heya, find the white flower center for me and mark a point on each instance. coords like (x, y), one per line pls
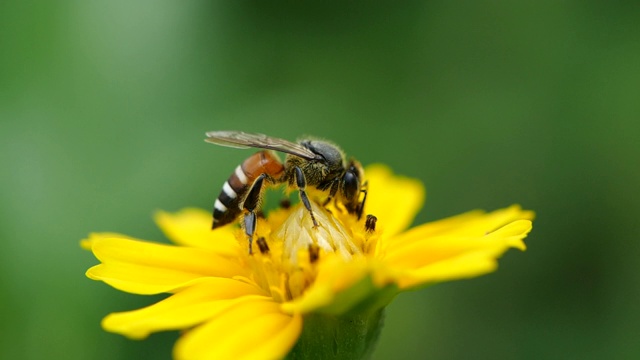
(298, 234)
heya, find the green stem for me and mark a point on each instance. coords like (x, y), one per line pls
(338, 337)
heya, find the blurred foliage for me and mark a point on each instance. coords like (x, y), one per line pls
(103, 107)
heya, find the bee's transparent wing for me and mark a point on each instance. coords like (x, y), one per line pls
(243, 140)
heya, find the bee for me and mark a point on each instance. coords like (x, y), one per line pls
(308, 163)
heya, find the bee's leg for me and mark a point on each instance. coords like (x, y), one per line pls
(360, 207)
(332, 193)
(326, 202)
(250, 204)
(301, 182)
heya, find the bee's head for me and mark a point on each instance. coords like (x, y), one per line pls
(329, 154)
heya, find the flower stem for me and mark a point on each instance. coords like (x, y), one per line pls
(351, 336)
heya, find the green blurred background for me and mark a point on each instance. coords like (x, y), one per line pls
(103, 108)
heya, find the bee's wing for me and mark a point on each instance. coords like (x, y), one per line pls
(242, 140)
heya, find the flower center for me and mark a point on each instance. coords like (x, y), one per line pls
(291, 247)
(298, 235)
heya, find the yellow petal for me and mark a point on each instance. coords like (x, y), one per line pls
(147, 268)
(460, 267)
(334, 275)
(446, 258)
(87, 243)
(429, 250)
(192, 227)
(473, 223)
(184, 309)
(342, 285)
(254, 329)
(141, 280)
(394, 200)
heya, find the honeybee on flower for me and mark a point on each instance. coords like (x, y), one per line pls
(322, 269)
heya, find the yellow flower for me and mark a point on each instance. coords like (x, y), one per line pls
(241, 306)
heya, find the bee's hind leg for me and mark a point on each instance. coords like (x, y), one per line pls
(250, 204)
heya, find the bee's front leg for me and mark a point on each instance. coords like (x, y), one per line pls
(301, 183)
(360, 207)
(332, 193)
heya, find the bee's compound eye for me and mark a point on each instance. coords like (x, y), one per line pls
(350, 186)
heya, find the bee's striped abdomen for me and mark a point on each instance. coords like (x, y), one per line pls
(227, 206)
